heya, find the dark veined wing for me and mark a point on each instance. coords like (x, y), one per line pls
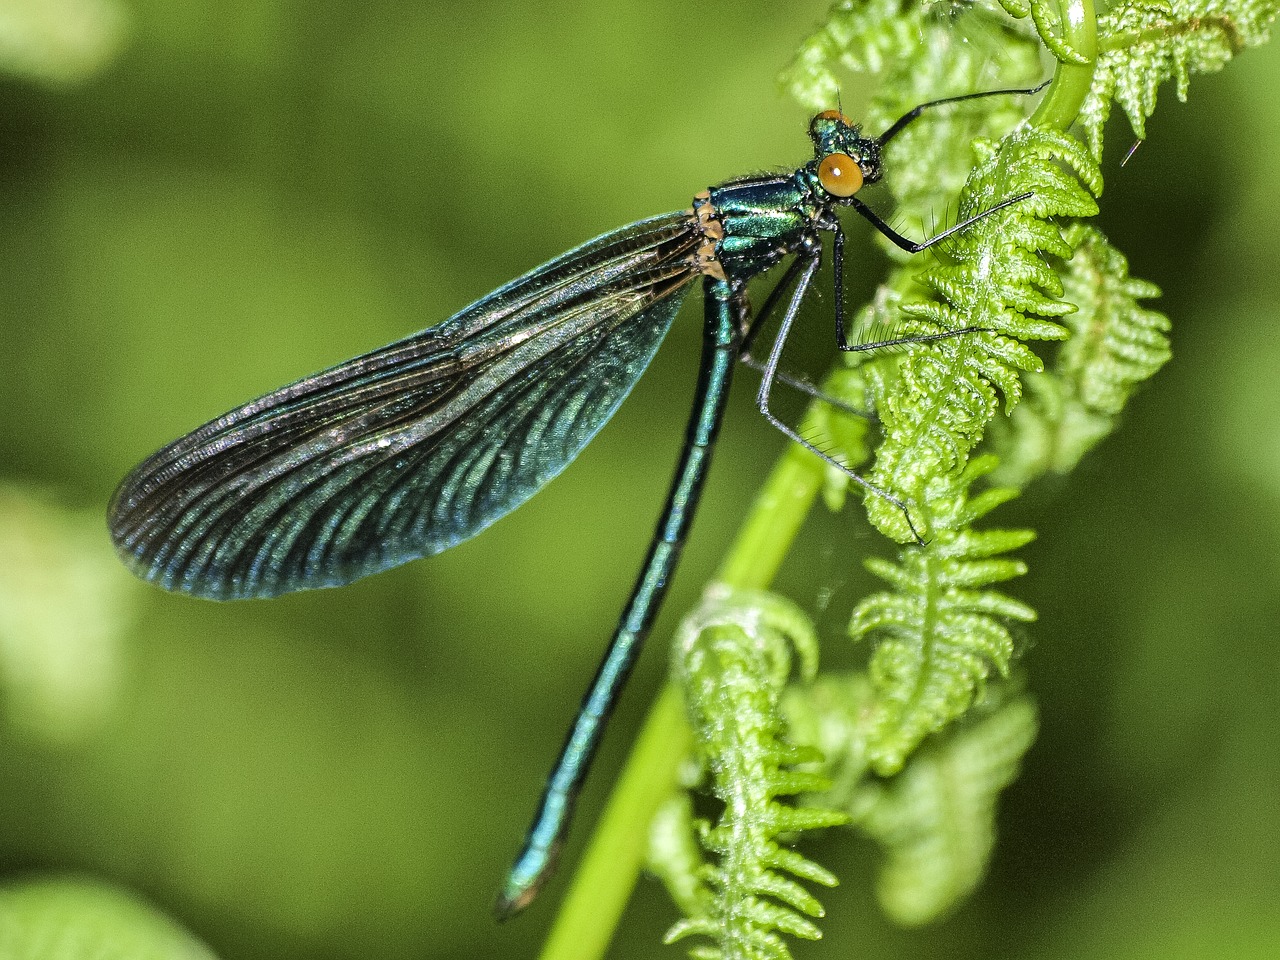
(410, 449)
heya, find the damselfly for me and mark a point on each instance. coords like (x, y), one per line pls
(417, 446)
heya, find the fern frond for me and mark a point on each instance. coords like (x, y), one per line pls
(733, 660)
(1047, 17)
(937, 406)
(674, 856)
(861, 37)
(936, 819)
(1148, 42)
(940, 632)
(1115, 345)
(917, 749)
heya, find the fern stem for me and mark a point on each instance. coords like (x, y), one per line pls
(769, 529)
(611, 865)
(1061, 105)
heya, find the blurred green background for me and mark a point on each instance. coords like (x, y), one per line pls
(251, 190)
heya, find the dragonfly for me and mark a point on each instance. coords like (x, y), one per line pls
(417, 446)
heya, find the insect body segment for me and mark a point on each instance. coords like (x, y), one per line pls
(765, 219)
(707, 219)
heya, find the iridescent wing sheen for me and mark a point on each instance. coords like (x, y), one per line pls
(410, 449)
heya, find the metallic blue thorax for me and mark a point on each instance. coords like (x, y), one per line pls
(764, 220)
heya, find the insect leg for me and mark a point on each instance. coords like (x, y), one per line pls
(757, 323)
(915, 112)
(766, 387)
(913, 246)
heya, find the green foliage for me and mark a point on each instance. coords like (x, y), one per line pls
(1115, 345)
(918, 748)
(1047, 15)
(1148, 42)
(829, 715)
(936, 820)
(173, 222)
(936, 404)
(675, 856)
(72, 919)
(65, 606)
(864, 38)
(733, 660)
(59, 41)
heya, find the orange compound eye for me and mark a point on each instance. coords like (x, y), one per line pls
(834, 115)
(840, 175)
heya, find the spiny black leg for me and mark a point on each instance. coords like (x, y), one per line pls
(808, 389)
(766, 387)
(838, 282)
(915, 112)
(842, 340)
(775, 353)
(912, 246)
(757, 324)
(912, 338)
(770, 304)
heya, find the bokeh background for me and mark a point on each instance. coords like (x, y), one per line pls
(244, 192)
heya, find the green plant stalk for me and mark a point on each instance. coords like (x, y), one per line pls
(1061, 105)
(611, 865)
(775, 518)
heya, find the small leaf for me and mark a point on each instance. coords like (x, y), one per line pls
(63, 918)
